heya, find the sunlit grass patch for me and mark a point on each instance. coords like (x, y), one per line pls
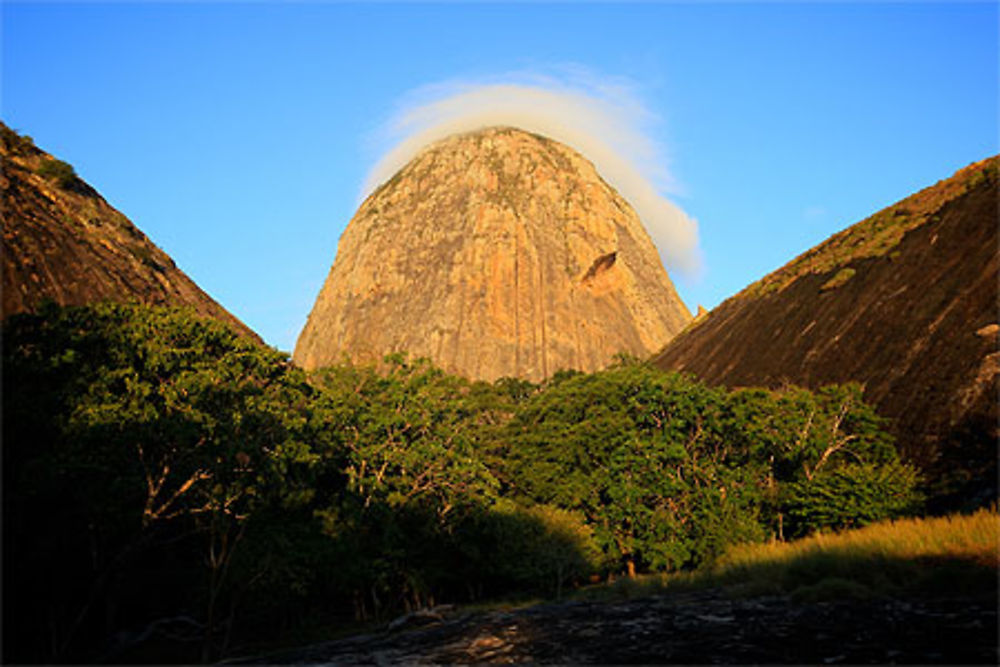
(957, 553)
(973, 537)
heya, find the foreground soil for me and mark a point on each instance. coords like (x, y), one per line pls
(692, 627)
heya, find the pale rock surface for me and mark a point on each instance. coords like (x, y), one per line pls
(494, 253)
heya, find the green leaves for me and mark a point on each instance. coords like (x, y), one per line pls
(403, 435)
(139, 427)
(669, 472)
(852, 496)
(197, 470)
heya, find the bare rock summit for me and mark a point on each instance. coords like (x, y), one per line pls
(494, 253)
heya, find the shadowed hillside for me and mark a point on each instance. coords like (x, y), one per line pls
(63, 242)
(904, 301)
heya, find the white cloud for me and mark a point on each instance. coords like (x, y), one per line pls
(600, 117)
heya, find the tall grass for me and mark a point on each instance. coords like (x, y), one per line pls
(971, 537)
(952, 555)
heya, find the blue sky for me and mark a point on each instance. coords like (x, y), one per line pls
(237, 136)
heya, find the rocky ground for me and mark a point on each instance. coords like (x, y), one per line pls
(706, 627)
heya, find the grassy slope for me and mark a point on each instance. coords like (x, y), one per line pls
(952, 555)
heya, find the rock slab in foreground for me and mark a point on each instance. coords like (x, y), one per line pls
(691, 628)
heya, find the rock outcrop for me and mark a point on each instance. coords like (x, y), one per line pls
(494, 253)
(64, 243)
(711, 627)
(904, 302)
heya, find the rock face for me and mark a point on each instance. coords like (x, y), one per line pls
(495, 253)
(905, 302)
(63, 242)
(713, 627)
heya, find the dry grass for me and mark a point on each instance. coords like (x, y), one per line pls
(972, 537)
(953, 555)
(946, 555)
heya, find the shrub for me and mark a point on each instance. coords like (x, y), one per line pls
(59, 172)
(852, 496)
(540, 548)
(17, 144)
(839, 279)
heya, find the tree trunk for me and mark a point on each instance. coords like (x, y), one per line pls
(630, 565)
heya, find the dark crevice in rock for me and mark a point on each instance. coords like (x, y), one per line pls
(600, 265)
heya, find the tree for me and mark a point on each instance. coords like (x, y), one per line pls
(668, 472)
(616, 446)
(407, 474)
(161, 471)
(851, 496)
(160, 431)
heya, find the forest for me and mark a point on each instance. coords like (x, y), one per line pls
(174, 492)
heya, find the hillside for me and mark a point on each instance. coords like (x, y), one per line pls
(63, 242)
(494, 253)
(904, 301)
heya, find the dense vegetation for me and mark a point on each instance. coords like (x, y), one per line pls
(174, 492)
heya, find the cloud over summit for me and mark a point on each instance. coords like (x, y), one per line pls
(600, 118)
